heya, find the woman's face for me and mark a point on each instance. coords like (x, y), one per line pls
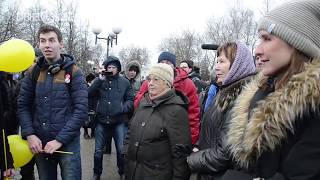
(156, 85)
(274, 54)
(222, 67)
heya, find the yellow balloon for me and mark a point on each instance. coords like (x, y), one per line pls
(16, 55)
(20, 151)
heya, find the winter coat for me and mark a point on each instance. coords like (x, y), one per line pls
(115, 97)
(212, 159)
(154, 131)
(185, 85)
(274, 134)
(196, 78)
(135, 82)
(3, 126)
(52, 108)
(11, 88)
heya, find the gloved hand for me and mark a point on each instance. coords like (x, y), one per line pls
(102, 77)
(181, 151)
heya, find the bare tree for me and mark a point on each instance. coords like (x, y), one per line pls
(9, 20)
(135, 53)
(186, 46)
(238, 24)
(34, 17)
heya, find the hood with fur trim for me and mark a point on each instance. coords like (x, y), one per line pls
(273, 117)
(133, 63)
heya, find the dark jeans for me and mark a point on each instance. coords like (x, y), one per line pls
(27, 171)
(100, 142)
(70, 164)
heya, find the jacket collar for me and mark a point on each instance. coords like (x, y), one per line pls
(273, 117)
(228, 93)
(171, 97)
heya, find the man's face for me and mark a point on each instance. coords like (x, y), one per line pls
(167, 62)
(132, 74)
(50, 46)
(185, 67)
(112, 68)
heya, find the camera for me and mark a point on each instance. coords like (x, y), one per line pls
(106, 73)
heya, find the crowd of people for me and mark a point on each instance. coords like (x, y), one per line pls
(258, 119)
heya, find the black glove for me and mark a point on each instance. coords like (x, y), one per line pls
(181, 151)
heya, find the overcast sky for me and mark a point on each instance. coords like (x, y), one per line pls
(146, 22)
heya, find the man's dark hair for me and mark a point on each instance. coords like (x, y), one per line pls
(196, 69)
(134, 68)
(48, 28)
(189, 62)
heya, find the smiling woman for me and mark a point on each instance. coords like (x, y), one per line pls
(273, 130)
(234, 69)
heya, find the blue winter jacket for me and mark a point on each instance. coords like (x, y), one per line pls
(115, 97)
(52, 109)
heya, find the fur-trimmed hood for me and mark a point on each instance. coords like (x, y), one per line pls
(133, 63)
(273, 117)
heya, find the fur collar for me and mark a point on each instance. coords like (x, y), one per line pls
(228, 94)
(273, 117)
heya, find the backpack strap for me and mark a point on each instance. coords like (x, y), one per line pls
(35, 72)
(69, 71)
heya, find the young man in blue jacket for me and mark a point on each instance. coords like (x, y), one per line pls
(52, 106)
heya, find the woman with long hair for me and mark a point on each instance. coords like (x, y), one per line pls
(275, 124)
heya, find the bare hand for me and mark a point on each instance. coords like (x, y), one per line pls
(52, 146)
(35, 144)
(8, 173)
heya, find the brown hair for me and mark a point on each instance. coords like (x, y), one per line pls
(230, 51)
(48, 28)
(297, 65)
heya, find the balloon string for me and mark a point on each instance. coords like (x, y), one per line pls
(62, 152)
(5, 149)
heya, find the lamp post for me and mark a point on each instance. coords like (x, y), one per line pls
(111, 37)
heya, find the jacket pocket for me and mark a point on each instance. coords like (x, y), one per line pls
(156, 171)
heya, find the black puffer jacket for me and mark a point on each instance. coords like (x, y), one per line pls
(212, 159)
(196, 78)
(156, 128)
(3, 96)
(11, 88)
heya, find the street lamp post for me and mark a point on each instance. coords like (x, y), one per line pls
(111, 37)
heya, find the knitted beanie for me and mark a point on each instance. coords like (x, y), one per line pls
(242, 66)
(163, 71)
(298, 23)
(167, 56)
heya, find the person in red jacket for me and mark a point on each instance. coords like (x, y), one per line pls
(183, 84)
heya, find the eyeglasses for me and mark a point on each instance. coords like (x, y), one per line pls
(154, 79)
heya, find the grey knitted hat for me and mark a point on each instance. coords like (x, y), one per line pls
(298, 23)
